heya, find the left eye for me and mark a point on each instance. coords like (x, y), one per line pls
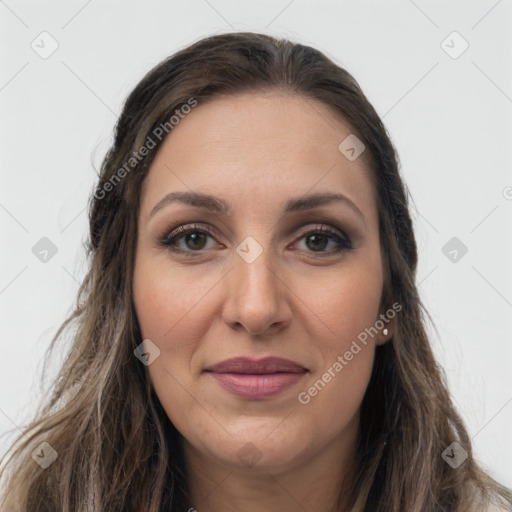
(318, 241)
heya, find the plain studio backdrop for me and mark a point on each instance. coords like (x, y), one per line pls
(439, 75)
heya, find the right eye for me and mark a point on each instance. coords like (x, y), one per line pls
(188, 239)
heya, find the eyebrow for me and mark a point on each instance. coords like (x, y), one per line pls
(217, 205)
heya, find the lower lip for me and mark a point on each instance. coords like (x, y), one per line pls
(257, 386)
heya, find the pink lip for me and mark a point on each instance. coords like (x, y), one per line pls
(249, 378)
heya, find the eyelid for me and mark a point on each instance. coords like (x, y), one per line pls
(322, 227)
(185, 228)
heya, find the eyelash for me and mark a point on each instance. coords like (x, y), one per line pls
(169, 240)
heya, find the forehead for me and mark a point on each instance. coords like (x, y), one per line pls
(256, 149)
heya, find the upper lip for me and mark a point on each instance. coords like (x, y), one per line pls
(257, 366)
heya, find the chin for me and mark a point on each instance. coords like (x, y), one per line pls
(270, 451)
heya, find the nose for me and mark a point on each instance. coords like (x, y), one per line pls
(257, 297)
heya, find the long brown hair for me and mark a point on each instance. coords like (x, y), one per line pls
(116, 447)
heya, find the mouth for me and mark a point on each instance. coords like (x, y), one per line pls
(257, 379)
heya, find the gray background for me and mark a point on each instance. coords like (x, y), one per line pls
(450, 119)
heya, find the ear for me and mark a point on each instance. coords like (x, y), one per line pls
(381, 338)
(389, 324)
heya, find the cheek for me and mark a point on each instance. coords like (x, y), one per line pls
(174, 310)
(336, 387)
(346, 306)
(344, 302)
(171, 313)
(164, 301)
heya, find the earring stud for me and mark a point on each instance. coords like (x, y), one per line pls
(385, 332)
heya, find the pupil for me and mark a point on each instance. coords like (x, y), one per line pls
(196, 239)
(319, 241)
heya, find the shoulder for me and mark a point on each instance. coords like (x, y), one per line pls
(490, 501)
(491, 507)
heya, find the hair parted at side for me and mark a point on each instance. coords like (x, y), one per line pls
(117, 449)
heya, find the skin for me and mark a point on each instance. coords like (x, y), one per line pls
(255, 151)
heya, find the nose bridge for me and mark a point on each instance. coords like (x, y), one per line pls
(256, 299)
(254, 273)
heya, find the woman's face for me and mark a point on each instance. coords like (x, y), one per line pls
(283, 273)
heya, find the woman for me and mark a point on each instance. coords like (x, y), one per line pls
(249, 335)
